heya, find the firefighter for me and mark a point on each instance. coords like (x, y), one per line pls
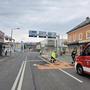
(73, 54)
(53, 56)
(40, 52)
(6, 53)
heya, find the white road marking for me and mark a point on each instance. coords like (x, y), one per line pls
(33, 60)
(45, 60)
(34, 64)
(71, 76)
(22, 76)
(17, 78)
(3, 59)
(64, 71)
(20, 73)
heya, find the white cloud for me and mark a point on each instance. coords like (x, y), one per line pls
(49, 15)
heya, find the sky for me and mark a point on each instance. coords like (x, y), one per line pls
(58, 16)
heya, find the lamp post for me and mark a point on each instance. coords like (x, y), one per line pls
(12, 39)
(57, 44)
(12, 33)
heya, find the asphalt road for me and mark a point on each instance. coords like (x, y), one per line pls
(20, 72)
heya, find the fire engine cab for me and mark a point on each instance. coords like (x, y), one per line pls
(82, 62)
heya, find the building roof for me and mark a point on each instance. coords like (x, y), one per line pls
(84, 23)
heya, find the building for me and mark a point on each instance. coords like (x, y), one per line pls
(57, 44)
(9, 43)
(1, 37)
(79, 35)
(18, 47)
(1, 42)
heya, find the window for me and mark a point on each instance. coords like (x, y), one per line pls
(88, 34)
(69, 38)
(80, 36)
(87, 51)
(74, 38)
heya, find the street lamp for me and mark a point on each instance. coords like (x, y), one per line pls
(57, 43)
(12, 33)
(12, 38)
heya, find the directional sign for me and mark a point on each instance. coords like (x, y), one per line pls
(51, 35)
(42, 34)
(32, 33)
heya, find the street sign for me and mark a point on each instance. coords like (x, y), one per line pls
(51, 35)
(32, 33)
(42, 34)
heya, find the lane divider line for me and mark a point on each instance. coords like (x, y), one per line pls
(22, 77)
(33, 77)
(71, 76)
(63, 71)
(17, 78)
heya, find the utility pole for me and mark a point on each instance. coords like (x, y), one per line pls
(12, 40)
(57, 43)
(61, 43)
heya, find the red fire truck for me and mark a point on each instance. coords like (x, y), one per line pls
(82, 63)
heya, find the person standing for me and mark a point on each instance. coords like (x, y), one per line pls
(73, 54)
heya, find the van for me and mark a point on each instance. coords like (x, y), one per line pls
(82, 62)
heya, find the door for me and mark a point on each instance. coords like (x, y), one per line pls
(87, 57)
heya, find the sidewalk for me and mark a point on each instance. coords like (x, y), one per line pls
(62, 62)
(66, 58)
(2, 57)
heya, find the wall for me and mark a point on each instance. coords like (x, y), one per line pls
(75, 35)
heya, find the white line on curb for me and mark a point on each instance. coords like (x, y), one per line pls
(64, 71)
(45, 60)
(17, 78)
(33, 60)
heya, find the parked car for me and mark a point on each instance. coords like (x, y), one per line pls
(82, 62)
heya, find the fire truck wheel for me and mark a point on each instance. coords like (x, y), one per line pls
(79, 70)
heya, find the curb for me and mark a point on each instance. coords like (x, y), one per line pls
(58, 61)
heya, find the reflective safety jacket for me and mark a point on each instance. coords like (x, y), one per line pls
(53, 54)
